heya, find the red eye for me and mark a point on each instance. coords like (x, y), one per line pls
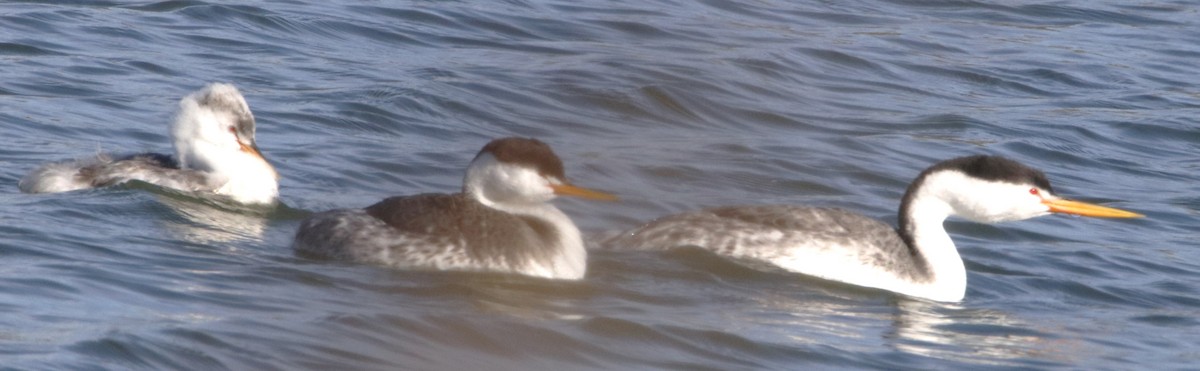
(232, 130)
(1033, 191)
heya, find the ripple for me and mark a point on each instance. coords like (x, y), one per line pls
(675, 106)
(23, 49)
(167, 6)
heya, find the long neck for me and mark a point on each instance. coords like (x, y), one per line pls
(923, 211)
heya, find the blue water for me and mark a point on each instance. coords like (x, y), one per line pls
(672, 105)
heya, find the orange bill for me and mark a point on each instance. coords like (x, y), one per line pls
(1086, 209)
(253, 150)
(570, 190)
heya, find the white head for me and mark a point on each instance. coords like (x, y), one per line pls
(519, 172)
(990, 189)
(214, 132)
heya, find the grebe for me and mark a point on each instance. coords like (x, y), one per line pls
(215, 152)
(501, 222)
(917, 259)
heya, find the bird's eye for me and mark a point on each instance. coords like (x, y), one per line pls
(232, 130)
(1033, 191)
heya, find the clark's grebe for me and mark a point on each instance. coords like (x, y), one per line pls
(215, 152)
(916, 259)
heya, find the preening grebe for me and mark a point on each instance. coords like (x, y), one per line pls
(215, 152)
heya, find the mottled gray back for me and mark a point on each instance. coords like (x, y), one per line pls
(771, 232)
(154, 168)
(487, 235)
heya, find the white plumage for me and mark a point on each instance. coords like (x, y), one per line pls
(215, 151)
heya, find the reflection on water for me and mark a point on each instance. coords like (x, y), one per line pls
(510, 296)
(674, 105)
(204, 223)
(839, 317)
(936, 330)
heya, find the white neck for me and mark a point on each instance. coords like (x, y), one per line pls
(570, 262)
(947, 274)
(517, 190)
(927, 212)
(249, 179)
(203, 141)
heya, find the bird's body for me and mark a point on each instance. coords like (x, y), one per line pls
(916, 259)
(448, 232)
(103, 170)
(501, 222)
(828, 243)
(215, 151)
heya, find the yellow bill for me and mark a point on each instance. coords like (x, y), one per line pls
(1086, 209)
(570, 190)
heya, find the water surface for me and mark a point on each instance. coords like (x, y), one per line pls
(672, 105)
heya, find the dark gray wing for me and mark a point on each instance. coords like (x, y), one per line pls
(436, 231)
(489, 237)
(354, 235)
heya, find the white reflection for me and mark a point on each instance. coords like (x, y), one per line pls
(207, 222)
(861, 320)
(949, 331)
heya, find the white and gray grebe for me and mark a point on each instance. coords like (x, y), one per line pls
(215, 152)
(917, 259)
(502, 221)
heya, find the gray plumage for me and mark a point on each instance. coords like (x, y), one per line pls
(775, 233)
(502, 221)
(430, 231)
(103, 171)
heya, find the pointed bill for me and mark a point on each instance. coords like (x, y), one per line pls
(252, 149)
(1086, 209)
(570, 190)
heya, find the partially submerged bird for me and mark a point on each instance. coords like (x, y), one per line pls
(917, 259)
(215, 152)
(501, 222)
